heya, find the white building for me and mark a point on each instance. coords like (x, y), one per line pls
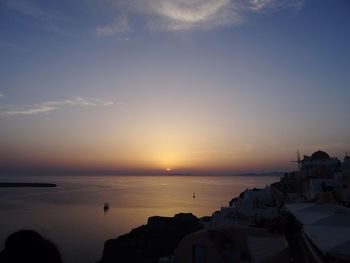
(325, 229)
(319, 159)
(257, 204)
(232, 243)
(346, 166)
(319, 185)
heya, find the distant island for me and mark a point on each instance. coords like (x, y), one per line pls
(27, 185)
(179, 174)
(261, 174)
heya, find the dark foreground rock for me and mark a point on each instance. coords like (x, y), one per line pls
(145, 244)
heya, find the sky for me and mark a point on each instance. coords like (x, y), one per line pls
(198, 86)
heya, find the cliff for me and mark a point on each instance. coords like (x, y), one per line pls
(147, 243)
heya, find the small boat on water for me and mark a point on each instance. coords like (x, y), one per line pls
(106, 206)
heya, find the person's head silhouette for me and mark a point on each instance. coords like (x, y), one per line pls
(28, 246)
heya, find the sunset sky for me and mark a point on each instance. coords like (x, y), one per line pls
(202, 86)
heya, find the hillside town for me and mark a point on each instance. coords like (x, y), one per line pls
(305, 217)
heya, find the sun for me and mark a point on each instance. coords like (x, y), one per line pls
(168, 169)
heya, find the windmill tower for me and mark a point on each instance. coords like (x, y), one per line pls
(298, 160)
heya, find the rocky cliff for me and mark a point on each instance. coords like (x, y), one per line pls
(145, 244)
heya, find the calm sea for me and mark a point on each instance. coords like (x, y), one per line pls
(72, 215)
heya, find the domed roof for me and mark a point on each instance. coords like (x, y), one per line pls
(320, 155)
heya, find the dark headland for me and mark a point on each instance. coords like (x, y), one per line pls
(27, 185)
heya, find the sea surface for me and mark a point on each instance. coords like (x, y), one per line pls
(72, 216)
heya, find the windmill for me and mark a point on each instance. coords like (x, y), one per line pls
(298, 160)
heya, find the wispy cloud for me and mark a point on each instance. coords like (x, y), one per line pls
(48, 19)
(262, 5)
(180, 15)
(119, 25)
(49, 106)
(25, 7)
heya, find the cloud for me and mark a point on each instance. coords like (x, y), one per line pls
(50, 106)
(119, 25)
(263, 5)
(47, 19)
(2, 95)
(180, 15)
(27, 8)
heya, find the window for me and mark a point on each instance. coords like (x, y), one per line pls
(198, 254)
